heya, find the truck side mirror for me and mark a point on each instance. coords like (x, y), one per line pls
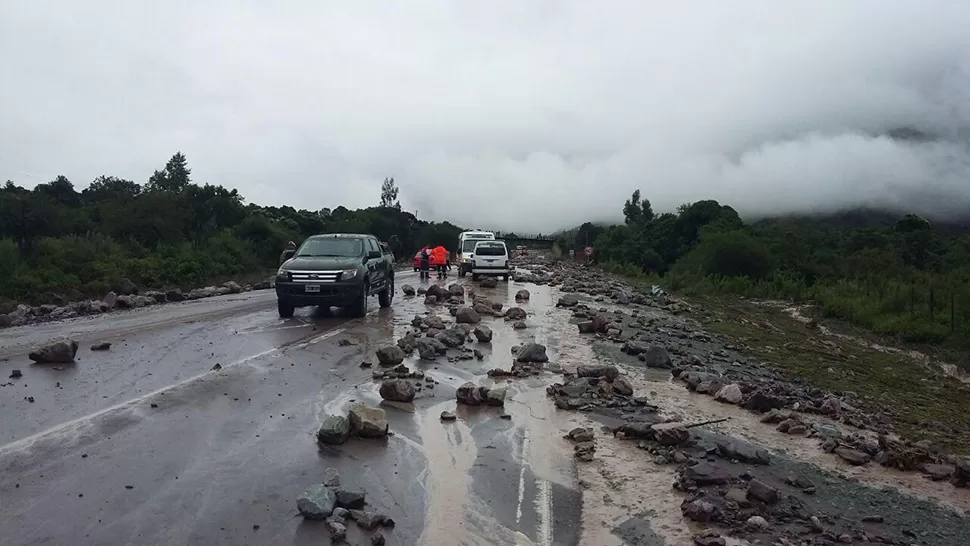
(374, 254)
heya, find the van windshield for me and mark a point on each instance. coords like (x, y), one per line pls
(469, 244)
(494, 249)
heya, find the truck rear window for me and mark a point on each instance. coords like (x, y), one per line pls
(490, 250)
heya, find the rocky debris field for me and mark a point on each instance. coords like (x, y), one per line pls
(128, 296)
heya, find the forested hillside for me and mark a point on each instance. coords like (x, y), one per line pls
(903, 276)
(58, 243)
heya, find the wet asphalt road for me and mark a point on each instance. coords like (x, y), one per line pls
(145, 444)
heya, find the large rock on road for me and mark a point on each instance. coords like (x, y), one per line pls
(59, 351)
(397, 390)
(317, 502)
(368, 422)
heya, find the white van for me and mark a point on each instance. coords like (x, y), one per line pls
(466, 247)
(491, 259)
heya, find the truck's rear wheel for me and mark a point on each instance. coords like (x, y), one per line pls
(285, 308)
(387, 295)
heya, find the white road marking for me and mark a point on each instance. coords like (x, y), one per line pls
(522, 463)
(544, 512)
(23, 442)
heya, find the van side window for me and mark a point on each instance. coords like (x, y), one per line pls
(371, 244)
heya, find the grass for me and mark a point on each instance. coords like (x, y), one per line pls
(925, 404)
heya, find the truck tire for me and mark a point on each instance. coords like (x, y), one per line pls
(359, 308)
(285, 308)
(387, 295)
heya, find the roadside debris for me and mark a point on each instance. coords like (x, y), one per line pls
(102, 346)
(60, 351)
(338, 505)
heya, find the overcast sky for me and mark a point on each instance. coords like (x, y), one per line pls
(514, 114)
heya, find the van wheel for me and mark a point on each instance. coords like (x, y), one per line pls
(359, 308)
(285, 308)
(387, 295)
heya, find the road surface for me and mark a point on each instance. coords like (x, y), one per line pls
(147, 444)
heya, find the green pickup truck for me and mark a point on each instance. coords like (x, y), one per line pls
(336, 270)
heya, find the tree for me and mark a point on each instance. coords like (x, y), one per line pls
(175, 176)
(637, 212)
(389, 194)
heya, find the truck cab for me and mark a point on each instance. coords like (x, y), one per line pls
(336, 270)
(466, 248)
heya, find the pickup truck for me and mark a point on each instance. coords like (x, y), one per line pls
(336, 270)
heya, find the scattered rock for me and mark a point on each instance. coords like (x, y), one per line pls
(522, 295)
(515, 313)
(103, 346)
(331, 478)
(568, 300)
(532, 352)
(607, 371)
(390, 355)
(852, 456)
(483, 333)
(762, 492)
(407, 290)
(350, 499)
(467, 315)
(334, 430)
(448, 416)
(16, 374)
(397, 390)
(317, 502)
(367, 422)
(657, 357)
(61, 351)
(488, 282)
(469, 394)
(495, 396)
(730, 394)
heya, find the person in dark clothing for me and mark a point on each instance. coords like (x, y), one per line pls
(425, 263)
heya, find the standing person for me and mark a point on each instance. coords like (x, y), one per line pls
(425, 262)
(448, 260)
(440, 259)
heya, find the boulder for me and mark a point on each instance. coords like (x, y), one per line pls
(127, 288)
(451, 338)
(430, 348)
(483, 333)
(657, 357)
(174, 294)
(102, 346)
(397, 390)
(522, 295)
(233, 287)
(607, 371)
(368, 422)
(757, 489)
(730, 394)
(568, 300)
(334, 430)
(495, 396)
(407, 290)
(317, 502)
(469, 394)
(390, 355)
(350, 499)
(532, 352)
(515, 313)
(467, 315)
(159, 297)
(586, 327)
(852, 456)
(622, 387)
(59, 351)
(488, 282)
(433, 321)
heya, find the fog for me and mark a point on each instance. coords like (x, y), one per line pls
(522, 115)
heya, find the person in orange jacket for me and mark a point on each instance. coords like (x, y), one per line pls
(440, 257)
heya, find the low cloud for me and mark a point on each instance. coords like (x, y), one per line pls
(529, 116)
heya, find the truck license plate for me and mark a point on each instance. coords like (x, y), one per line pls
(312, 288)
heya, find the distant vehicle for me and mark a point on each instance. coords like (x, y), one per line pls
(466, 248)
(336, 270)
(490, 259)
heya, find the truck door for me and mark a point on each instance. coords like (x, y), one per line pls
(375, 265)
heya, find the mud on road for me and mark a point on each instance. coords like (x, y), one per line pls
(148, 444)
